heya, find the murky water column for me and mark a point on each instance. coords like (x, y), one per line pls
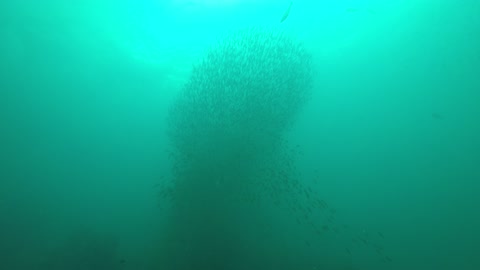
(226, 128)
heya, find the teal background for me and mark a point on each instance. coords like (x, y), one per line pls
(390, 138)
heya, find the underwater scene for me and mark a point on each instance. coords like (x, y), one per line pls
(239, 135)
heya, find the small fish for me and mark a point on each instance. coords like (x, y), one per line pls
(287, 12)
(365, 242)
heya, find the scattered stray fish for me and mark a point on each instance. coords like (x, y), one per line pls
(287, 12)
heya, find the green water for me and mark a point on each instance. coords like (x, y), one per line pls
(389, 139)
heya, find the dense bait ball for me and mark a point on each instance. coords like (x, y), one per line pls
(241, 96)
(232, 164)
(226, 129)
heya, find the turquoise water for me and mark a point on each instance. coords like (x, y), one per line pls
(377, 169)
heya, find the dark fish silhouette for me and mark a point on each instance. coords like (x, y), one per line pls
(287, 12)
